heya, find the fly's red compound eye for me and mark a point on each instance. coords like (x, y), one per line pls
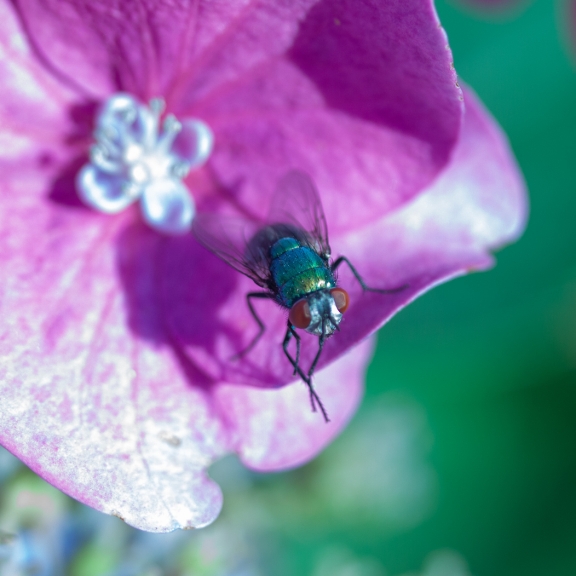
(300, 314)
(341, 299)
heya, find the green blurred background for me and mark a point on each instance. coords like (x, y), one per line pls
(462, 459)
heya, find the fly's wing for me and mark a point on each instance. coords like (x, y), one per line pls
(228, 238)
(296, 201)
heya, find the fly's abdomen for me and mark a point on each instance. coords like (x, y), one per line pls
(298, 270)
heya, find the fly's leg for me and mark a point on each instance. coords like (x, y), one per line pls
(314, 398)
(291, 333)
(298, 339)
(321, 340)
(261, 325)
(341, 259)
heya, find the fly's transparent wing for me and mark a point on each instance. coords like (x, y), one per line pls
(296, 201)
(228, 238)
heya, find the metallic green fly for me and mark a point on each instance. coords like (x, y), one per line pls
(288, 256)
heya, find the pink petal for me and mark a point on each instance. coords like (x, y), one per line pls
(270, 428)
(32, 103)
(477, 204)
(102, 47)
(109, 418)
(362, 95)
(96, 396)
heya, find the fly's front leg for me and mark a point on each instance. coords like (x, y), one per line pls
(291, 333)
(314, 398)
(298, 340)
(249, 296)
(341, 259)
(321, 340)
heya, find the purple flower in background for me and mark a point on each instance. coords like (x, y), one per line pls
(115, 340)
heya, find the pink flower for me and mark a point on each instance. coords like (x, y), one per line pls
(115, 343)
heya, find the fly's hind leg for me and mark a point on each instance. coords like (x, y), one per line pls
(249, 296)
(314, 398)
(341, 259)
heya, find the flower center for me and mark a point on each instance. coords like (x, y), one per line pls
(137, 156)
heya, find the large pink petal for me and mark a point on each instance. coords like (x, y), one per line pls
(102, 47)
(33, 105)
(362, 95)
(477, 204)
(110, 418)
(96, 396)
(274, 429)
(141, 46)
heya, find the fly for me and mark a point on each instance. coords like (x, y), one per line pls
(289, 256)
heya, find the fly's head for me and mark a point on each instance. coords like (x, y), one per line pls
(320, 312)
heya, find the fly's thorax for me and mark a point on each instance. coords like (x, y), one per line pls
(282, 246)
(306, 283)
(271, 240)
(324, 315)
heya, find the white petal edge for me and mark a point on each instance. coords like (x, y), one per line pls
(104, 192)
(194, 143)
(168, 206)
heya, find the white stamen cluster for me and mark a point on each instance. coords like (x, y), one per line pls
(136, 157)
